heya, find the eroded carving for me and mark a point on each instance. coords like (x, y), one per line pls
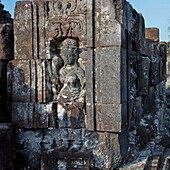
(70, 29)
(64, 8)
(72, 95)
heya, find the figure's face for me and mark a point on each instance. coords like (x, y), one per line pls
(69, 55)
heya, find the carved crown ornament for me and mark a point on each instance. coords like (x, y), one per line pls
(64, 8)
(68, 20)
(69, 29)
(74, 26)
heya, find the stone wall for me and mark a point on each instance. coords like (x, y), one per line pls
(85, 89)
(168, 72)
(6, 54)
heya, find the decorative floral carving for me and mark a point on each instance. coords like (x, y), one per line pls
(65, 7)
(70, 29)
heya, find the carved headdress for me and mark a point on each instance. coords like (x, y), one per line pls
(69, 43)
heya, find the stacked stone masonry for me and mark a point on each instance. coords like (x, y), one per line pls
(85, 89)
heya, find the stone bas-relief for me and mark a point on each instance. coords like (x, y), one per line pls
(85, 90)
(72, 95)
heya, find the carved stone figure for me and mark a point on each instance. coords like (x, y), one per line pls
(72, 95)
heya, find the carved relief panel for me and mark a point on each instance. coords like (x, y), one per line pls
(67, 30)
(68, 19)
(57, 33)
(68, 83)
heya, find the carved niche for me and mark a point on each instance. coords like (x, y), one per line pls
(67, 28)
(71, 97)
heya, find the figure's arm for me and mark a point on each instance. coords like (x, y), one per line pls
(81, 76)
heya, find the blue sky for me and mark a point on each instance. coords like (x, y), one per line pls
(155, 12)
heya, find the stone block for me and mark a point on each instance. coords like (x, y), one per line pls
(152, 34)
(149, 102)
(139, 109)
(4, 117)
(124, 75)
(144, 75)
(160, 69)
(108, 117)
(164, 71)
(23, 114)
(111, 89)
(21, 81)
(6, 140)
(163, 51)
(136, 165)
(6, 42)
(31, 81)
(107, 28)
(44, 88)
(135, 30)
(154, 70)
(9, 86)
(28, 149)
(63, 140)
(89, 116)
(108, 152)
(23, 29)
(89, 23)
(41, 29)
(108, 75)
(33, 115)
(41, 115)
(149, 48)
(66, 160)
(142, 40)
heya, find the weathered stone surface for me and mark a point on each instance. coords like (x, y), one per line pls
(154, 70)
(5, 17)
(144, 71)
(108, 28)
(23, 31)
(89, 116)
(139, 109)
(138, 165)
(108, 117)
(28, 149)
(6, 54)
(33, 115)
(22, 114)
(43, 76)
(6, 140)
(3, 92)
(108, 78)
(21, 80)
(59, 144)
(31, 80)
(84, 64)
(152, 34)
(110, 93)
(108, 153)
(41, 115)
(6, 41)
(150, 101)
